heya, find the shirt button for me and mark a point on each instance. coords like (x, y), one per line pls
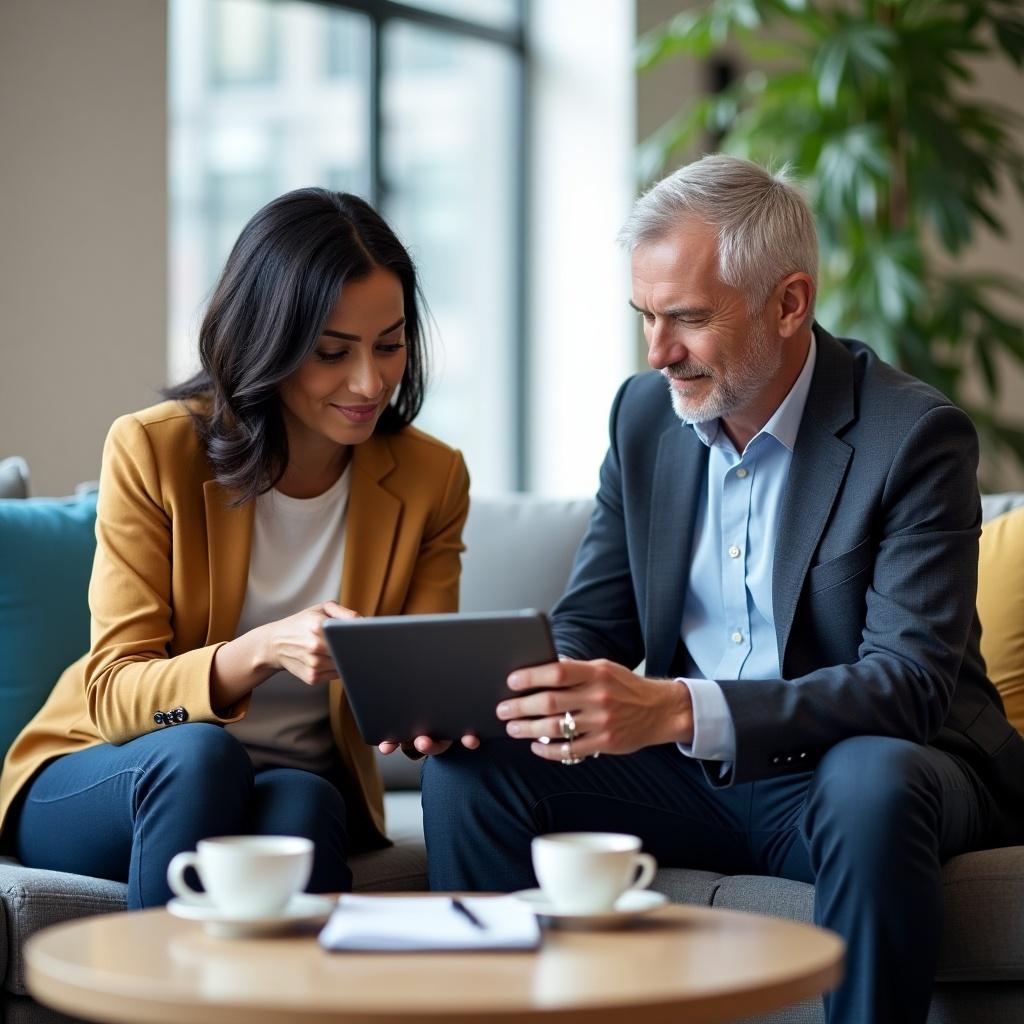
(159, 718)
(734, 552)
(737, 637)
(741, 473)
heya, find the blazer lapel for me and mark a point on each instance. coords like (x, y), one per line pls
(371, 529)
(228, 542)
(816, 473)
(676, 489)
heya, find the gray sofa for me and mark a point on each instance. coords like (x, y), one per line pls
(519, 550)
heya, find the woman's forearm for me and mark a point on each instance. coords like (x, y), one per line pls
(239, 667)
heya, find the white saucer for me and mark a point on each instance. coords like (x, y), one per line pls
(303, 908)
(630, 905)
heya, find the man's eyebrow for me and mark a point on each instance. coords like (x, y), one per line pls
(682, 312)
(355, 337)
(688, 312)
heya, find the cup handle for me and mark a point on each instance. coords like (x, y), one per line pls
(180, 862)
(644, 861)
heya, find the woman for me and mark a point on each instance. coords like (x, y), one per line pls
(229, 519)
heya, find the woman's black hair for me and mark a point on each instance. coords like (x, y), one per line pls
(277, 289)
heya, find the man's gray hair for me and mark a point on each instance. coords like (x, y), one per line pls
(765, 227)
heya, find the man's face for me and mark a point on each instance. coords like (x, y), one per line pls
(717, 358)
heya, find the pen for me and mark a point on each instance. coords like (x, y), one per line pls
(460, 908)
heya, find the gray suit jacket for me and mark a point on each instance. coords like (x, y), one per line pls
(874, 581)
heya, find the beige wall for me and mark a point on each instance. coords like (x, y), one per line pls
(83, 233)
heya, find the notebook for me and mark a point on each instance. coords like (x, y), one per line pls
(406, 924)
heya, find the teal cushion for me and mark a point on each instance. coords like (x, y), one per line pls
(46, 549)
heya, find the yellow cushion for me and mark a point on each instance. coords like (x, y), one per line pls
(1001, 609)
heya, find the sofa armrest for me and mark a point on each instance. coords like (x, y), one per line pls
(32, 898)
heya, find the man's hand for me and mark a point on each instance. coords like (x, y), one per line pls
(616, 711)
(424, 745)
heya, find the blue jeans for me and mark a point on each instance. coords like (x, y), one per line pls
(870, 827)
(122, 812)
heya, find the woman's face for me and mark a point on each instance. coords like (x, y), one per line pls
(338, 394)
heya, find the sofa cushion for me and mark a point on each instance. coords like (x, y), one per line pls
(983, 900)
(13, 478)
(983, 930)
(398, 771)
(46, 551)
(776, 897)
(546, 531)
(682, 885)
(993, 505)
(403, 866)
(33, 899)
(1001, 609)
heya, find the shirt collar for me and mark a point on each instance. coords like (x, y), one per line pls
(784, 423)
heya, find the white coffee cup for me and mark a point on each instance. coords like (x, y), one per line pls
(586, 872)
(244, 876)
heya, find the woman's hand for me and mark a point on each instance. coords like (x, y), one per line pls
(295, 644)
(424, 745)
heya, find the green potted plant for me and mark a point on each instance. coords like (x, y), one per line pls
(869, 102)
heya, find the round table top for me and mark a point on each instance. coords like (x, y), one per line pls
(681, 962)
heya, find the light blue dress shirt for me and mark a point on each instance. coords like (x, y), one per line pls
(728, 625)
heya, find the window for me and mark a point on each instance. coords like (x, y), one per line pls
(416, 107)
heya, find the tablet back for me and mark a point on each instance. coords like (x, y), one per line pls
(434, 675)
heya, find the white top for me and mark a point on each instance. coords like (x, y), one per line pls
(298, 548)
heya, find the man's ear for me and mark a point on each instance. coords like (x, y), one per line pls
(795, 297)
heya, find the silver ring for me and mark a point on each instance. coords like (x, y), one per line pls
(567, 757)
(567, 727)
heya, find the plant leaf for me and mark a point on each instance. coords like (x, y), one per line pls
(1010, 34)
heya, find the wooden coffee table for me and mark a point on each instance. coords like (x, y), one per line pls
(687, 963)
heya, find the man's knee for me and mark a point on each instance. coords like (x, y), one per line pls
(866, 791)
(460, 781)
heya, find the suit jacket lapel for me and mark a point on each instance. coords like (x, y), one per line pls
(678, 474)
(816, 473)
(372, 527)
(228, 542)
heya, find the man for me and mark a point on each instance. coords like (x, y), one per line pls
(797, 562)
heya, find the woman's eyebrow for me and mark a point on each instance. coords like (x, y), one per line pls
(355, 337)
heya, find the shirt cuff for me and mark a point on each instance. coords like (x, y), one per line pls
(714, 733)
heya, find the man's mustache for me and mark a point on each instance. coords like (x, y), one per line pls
(689, 368)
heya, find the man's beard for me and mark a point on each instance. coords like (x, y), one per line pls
(732, 387)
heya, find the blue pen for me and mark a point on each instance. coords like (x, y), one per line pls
(460, 908)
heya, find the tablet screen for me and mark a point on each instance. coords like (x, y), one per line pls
(434, 675)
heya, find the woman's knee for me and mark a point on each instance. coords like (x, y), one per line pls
(288, 800)
(201, 757)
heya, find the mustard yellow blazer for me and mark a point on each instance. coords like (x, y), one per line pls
(170, 575)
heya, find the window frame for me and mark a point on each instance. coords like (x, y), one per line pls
(514, 41)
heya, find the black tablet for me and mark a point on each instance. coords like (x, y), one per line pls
(434, 675)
